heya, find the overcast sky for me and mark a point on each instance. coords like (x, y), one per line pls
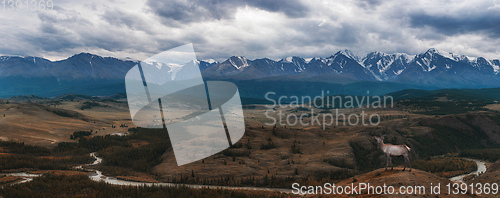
(262, 28)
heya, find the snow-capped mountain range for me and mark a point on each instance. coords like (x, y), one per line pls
(22, 74)
(428, 68)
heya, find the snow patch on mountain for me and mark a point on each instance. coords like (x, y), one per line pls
(211, 61)
(397, 73)
(240, 59)
(496, 66)
(350, 54)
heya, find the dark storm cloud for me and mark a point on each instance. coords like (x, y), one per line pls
(348, 34)
(65, 17)
(67, 30)
(345, 34)
(369, 4)
(118, 18)
(51, 36)
(255, 29)
(200, 10)
(483, 22)
(292, 8)
(51, 41)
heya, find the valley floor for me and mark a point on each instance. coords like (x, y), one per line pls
(271, 156)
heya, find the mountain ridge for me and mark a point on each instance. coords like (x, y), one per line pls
(421, 69)
(379, 65)
(87, 73)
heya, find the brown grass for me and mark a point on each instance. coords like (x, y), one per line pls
(36, 124)
(9, 179)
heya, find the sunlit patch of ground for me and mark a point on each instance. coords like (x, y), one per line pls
(9, 179)
(40, 124)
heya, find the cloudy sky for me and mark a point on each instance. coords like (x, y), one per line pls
(255, 29)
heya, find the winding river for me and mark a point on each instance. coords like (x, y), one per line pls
(481, 168)
(98, 176)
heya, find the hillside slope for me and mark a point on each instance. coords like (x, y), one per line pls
(397, 179)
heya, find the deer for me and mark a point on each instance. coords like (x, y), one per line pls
(393, 150)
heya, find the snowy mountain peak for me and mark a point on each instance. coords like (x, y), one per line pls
(288, 59)
(405, 57)
(239, 62)
(294, 60)
(349, 54)
(386, 66)
(496, 66)
(459, 58)
(210, 61)
(432, 51)
(483, 61)
(375, 54)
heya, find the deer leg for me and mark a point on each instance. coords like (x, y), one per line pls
(407, 160)
(392, 168)
(386, 164)
(387, 161)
